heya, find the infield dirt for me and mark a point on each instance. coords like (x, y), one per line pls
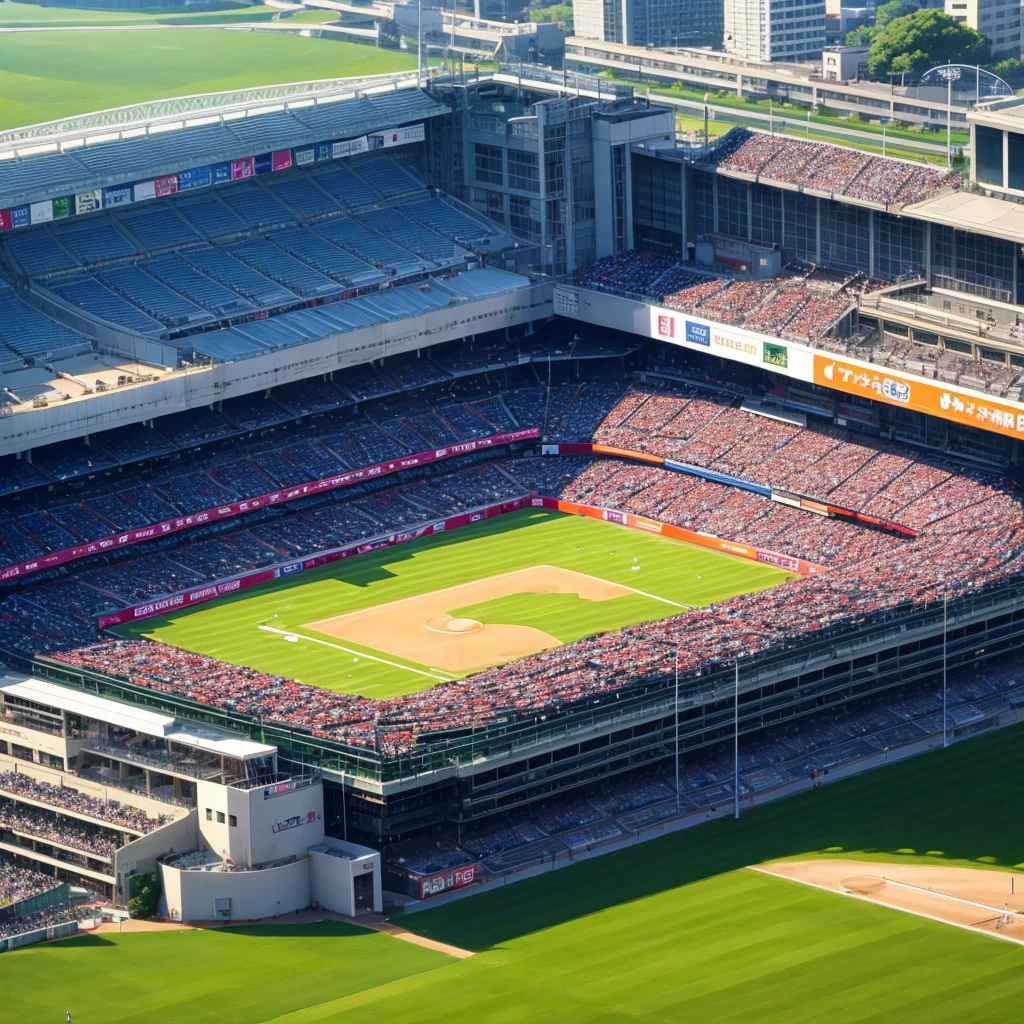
(969, 897)
(421, 628)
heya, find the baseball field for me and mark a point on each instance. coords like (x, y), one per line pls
(402, 619)
(676, 929)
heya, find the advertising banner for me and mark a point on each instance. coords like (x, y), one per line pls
(401, 136)
(121, 195)
(20, 216)
(445, 881)
(197, 177)
(41, 213)
(304, 157)
(566, 301)
(200, 595)
(145, 190)
(281, 159)
(220, 173)
(263, 163)
(894, 388)
(5, 220)
(62, 207)
(167, 185)
(89, 202)
(776, 355)
(323, 151)
(350, 147)
(705, 540)
(244, 168)
(347, 479)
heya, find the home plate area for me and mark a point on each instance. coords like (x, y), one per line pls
(422, 630)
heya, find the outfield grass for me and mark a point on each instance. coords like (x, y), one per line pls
(229, 628)
(243, 975)
(17, 15)
(47, 75)
(673, 930)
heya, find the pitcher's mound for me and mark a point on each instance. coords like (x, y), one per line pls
(445, 624)
(863, 885)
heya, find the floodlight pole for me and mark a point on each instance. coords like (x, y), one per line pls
(736, 746)
(951, 74)
(945, 644)
(419, 42)
(344, 810)
(678, 799)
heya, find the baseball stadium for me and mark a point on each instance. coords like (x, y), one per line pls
(465, 551)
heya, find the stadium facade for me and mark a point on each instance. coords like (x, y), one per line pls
(238, 297)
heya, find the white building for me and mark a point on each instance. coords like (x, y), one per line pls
(650, 22)
(775, 30)
(94, 791)
(999, 20)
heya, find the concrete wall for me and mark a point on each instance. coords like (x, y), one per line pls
(190, 895)
(204, 387)
(141, 855)
(332, 879)
(269, 827)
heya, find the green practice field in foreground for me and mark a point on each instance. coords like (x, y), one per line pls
(673, 930)
(229, 628)
(47, 75)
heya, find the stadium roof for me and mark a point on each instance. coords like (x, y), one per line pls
(78, 702)
(966, 211)
(50, 161)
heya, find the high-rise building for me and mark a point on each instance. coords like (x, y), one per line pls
(650, 22)
(999, 20)
(775, 30)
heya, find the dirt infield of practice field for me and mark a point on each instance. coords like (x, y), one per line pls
(967, 897)
(421, 628)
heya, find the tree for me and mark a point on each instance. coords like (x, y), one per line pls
(1011, 71)
(902, 65)
(145, 891)
(928, 38)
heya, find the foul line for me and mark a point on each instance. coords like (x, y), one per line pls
(362, 654)
(654, 597)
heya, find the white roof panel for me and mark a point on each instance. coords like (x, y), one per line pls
(78, 702)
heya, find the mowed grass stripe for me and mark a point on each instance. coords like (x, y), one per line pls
(229, 628)
(244, 975)
(46, 75)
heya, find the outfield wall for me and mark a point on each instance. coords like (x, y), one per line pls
(200, 595)
(235, 508)
(800, 566)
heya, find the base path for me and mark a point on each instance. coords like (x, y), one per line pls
(421, 629)
(966, 897)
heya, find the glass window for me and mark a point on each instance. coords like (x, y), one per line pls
(523, 172)
(488, 164)
(1015, 160)
(988, 144)
(220, 817)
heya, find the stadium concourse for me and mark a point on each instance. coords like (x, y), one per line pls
(870, 572)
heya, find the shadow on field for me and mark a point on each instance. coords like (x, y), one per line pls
(957, 804)
(363, 571)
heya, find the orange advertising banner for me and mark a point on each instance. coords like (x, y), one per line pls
(881, 384)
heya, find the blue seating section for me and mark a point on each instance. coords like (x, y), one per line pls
(234, 274)
(255, 205)
(302, 195)
(88, 293)
(96, 240)
(31, 334)
(388, 178)
(167, 306)
(159, 228)
(38, 252)
(367, 245)
(265, 257)
(345, 186)
(412, 236)
(449, 222)
(198, 288)
(210, 217)
(327, 258)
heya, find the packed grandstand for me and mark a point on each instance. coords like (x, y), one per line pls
(929, 507)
